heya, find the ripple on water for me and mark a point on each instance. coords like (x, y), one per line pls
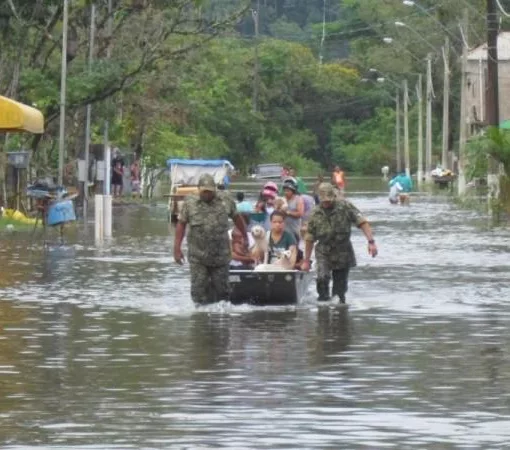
(103, 349)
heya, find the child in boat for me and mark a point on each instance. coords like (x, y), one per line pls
(242, 251)
(265, 203)
(279, 240)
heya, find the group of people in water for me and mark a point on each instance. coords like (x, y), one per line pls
(282, 219)
(291, 220)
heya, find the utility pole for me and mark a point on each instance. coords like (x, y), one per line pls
(419, 93)
(255, 14)
(63, 80)
(103, 202)
(428, 132)
(461, 180)
(481, 87)
(446, 102)
(406, 130)
(89, 114)
(492, 98)
(321, 54)
(106, 137)
(397, 132)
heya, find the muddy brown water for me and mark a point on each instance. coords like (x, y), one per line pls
(102, 348)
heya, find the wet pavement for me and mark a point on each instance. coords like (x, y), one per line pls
(102, 347)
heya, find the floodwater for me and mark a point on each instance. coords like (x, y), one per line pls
(102, 348)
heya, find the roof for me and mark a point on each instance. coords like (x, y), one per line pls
(480, 52)
(16, 117)
(200, 162)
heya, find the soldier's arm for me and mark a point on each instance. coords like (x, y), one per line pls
(180, 231)
(309, 239)
(362, 223)
(355, 215)
(180, 228)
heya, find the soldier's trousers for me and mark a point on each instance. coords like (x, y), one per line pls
(209, 284)
(324, 273)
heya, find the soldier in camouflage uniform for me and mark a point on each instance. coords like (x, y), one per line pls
(330, 226)
(209, 252)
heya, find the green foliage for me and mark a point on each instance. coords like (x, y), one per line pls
(364, 147)
(170, 89)
(496, 144)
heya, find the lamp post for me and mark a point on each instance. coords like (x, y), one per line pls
(402, 24)
(397, 115)
(405, 100)
(412, 3)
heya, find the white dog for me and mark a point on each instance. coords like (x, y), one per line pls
(280, 204)
(261, 242)
(281, 264)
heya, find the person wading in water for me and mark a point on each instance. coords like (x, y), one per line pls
(209, 252)
(330, 226)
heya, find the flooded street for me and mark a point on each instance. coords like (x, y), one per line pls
(102, 348)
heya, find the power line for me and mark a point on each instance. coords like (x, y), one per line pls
(502, 9)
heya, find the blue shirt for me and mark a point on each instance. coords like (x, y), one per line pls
(405, 182)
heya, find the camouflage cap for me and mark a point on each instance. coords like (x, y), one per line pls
(326, 192)
(206, 183)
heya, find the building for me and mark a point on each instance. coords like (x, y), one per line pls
(476, 79)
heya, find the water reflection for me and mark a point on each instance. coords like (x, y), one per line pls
(332, 334)
(102, 347)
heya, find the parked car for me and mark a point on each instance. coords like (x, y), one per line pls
(267, 171)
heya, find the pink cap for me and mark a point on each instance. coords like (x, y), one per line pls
(271, 185)
(269, 193)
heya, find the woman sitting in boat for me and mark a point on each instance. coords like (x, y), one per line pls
(243, 257)
(279, 240)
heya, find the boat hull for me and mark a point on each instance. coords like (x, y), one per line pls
(268, 288)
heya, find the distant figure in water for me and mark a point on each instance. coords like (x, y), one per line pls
(406, 186)
(338, 181)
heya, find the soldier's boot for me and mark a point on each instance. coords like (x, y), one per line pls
(340, 284)
(323, 289)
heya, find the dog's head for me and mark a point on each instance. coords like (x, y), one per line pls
(285, 254)
(258, 232)
(280, 203)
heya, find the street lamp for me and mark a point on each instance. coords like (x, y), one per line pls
(412, 3)
(402, 24)
(390, 40)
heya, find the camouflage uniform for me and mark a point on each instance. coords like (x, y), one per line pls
(334, 253)
(209, 252)
(227, 199)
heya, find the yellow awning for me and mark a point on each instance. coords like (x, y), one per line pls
(15, 117)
